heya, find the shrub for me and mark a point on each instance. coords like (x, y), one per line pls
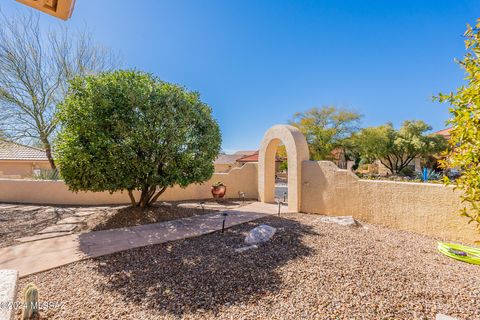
(127, 130)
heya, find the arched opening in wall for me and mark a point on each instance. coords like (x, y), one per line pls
(277, 176)
(296, 148)
(281, 174)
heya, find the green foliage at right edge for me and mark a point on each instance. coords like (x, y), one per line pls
(465, 121)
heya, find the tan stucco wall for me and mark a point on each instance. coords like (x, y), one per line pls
(429, 209)
(297, 152)
(223, 168)
(242, 179)
(22, 168)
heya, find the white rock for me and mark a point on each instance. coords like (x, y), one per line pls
(260, 234)
(440, 316)
(243, 249)
(342, 220)
(8, 292)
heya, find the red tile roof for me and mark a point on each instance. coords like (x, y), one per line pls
(253, 158)
(250, 158)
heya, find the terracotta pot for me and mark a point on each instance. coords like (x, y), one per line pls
(219, 192)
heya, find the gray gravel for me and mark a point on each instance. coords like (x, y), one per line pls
(308, 270)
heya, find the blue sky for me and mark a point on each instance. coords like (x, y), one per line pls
(256, 62)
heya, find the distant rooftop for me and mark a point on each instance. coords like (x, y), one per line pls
(10, 150)
(445, 132)
(249, 158)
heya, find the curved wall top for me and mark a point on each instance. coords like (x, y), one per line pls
(297, 152)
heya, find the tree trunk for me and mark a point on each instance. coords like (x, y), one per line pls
(48, 153)
(132, 198)
(148, 196)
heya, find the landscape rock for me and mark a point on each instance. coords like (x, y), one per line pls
(440, 316)
(260, 234)
(347, 221)
(246, 248)
(8, 292)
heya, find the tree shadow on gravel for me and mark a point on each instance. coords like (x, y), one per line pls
(129, 216)
(204, 273)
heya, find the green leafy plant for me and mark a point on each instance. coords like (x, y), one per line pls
(128, 130)
(396, 149)
(327, 128)
(465, 133)
(46, 174)
(218, 184)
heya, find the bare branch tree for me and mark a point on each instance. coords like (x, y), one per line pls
(35, 66)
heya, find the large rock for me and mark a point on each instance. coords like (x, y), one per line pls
(8, 292)
(260, 234)
(342, 220)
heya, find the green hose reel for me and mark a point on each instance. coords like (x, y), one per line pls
(460, 252)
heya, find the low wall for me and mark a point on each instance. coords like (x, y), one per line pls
(56, 192)
(429, 209)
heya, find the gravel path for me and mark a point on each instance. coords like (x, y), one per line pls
(309, 270)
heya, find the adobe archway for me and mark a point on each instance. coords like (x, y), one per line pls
(297, 152)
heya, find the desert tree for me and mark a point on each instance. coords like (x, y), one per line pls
(35, 65)
(396, 149)
(465, 121)
(326, 128)
(127, 130)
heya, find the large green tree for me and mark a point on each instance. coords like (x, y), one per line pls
(465, 121)
(396, 149)
(326, 129)
(127, 130)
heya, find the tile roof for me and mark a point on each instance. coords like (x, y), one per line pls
(10, 150)
(227, 158)
(249, 158)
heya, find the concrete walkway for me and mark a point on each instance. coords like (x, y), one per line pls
(42, 255)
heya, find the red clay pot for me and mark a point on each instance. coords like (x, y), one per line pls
(219, 192)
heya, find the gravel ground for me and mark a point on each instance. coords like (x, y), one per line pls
(17, 221)
(309, 270)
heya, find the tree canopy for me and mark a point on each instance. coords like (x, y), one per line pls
(128, 130)
(465, 121)
(326, 128)
(395, 149)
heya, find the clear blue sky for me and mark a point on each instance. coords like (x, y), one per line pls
(258, 62)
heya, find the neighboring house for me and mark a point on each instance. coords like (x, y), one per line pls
(254, 158)
(19, 161)
(446, 133)
(225, 162)
(249, 158)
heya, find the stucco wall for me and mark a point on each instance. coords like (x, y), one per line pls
(56, 192)
(224, 167)
(429, 209)
(21, 168)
